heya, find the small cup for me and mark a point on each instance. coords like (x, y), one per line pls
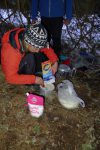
(47, 89)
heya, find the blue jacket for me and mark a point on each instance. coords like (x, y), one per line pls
(52, 8)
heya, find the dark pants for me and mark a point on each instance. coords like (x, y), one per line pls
(54, 29)
(31, 63)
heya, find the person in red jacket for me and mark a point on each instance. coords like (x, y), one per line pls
(23, 51)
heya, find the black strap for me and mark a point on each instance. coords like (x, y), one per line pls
(12, 38)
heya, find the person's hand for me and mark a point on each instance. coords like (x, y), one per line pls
(54, 67)
(39, 80)
(66, 21)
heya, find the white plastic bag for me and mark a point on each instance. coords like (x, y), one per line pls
(67, 95)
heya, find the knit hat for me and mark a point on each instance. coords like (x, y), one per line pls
(36, 35)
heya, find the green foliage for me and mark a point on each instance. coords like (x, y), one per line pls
(87, 147)
(86, 7)
(36, 129)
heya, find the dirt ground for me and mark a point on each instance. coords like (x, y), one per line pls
(58, 128)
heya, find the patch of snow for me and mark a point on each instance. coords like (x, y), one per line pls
(17, 18)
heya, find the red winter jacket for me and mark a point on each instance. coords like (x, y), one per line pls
(11, 57)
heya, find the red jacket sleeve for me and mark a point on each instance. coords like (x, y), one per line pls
(10, 59)
(49, 52)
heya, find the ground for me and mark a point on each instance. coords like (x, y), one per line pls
(58, 128)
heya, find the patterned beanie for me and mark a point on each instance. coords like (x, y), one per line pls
(36, 35)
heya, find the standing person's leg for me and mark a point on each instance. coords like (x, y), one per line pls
(56, 30)
(45, 21)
